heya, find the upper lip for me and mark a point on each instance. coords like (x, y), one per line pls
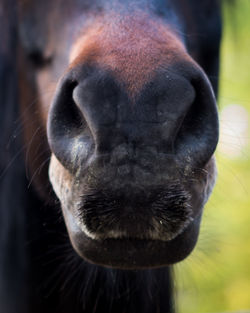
(161, 215)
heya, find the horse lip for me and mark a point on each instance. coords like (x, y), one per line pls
(138, 232)
(132, 253)
(156, 214)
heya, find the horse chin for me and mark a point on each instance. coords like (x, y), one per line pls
(132, 253)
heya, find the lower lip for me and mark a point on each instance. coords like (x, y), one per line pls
(133, 253)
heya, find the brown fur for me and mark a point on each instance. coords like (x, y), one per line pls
(132, 47)
(33, 121)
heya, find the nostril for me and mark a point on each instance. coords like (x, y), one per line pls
(97, 97)
(63, 111)
(68, 133)
(197, 137)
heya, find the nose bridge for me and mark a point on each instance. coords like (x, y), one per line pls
(132, 46)
(150, 119)
(113, 118)
(132, 50)
(134, 86)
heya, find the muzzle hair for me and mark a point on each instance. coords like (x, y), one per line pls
(156, 215)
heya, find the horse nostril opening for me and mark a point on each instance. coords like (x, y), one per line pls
(69, 136)
(197, 137)
(64, 113)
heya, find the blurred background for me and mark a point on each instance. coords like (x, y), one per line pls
(216, 277)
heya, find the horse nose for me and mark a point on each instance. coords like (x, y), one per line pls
(174, 113)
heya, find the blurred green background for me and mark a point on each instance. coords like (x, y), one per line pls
(216, 277)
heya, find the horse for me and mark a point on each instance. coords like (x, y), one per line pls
(108, 125)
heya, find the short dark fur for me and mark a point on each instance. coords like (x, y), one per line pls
(39, 270)
(103, 210)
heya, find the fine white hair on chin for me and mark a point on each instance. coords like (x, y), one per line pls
(85, 230)
(155, 234)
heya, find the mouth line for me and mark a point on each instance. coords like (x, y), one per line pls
(149, 235)
(134, 239)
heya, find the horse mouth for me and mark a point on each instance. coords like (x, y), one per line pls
(132, 225)
(133, 252)
(109, 232)
(156, 214)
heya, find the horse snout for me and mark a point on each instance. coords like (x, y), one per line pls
(132, 138)
(93, 120)
(133, 168)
